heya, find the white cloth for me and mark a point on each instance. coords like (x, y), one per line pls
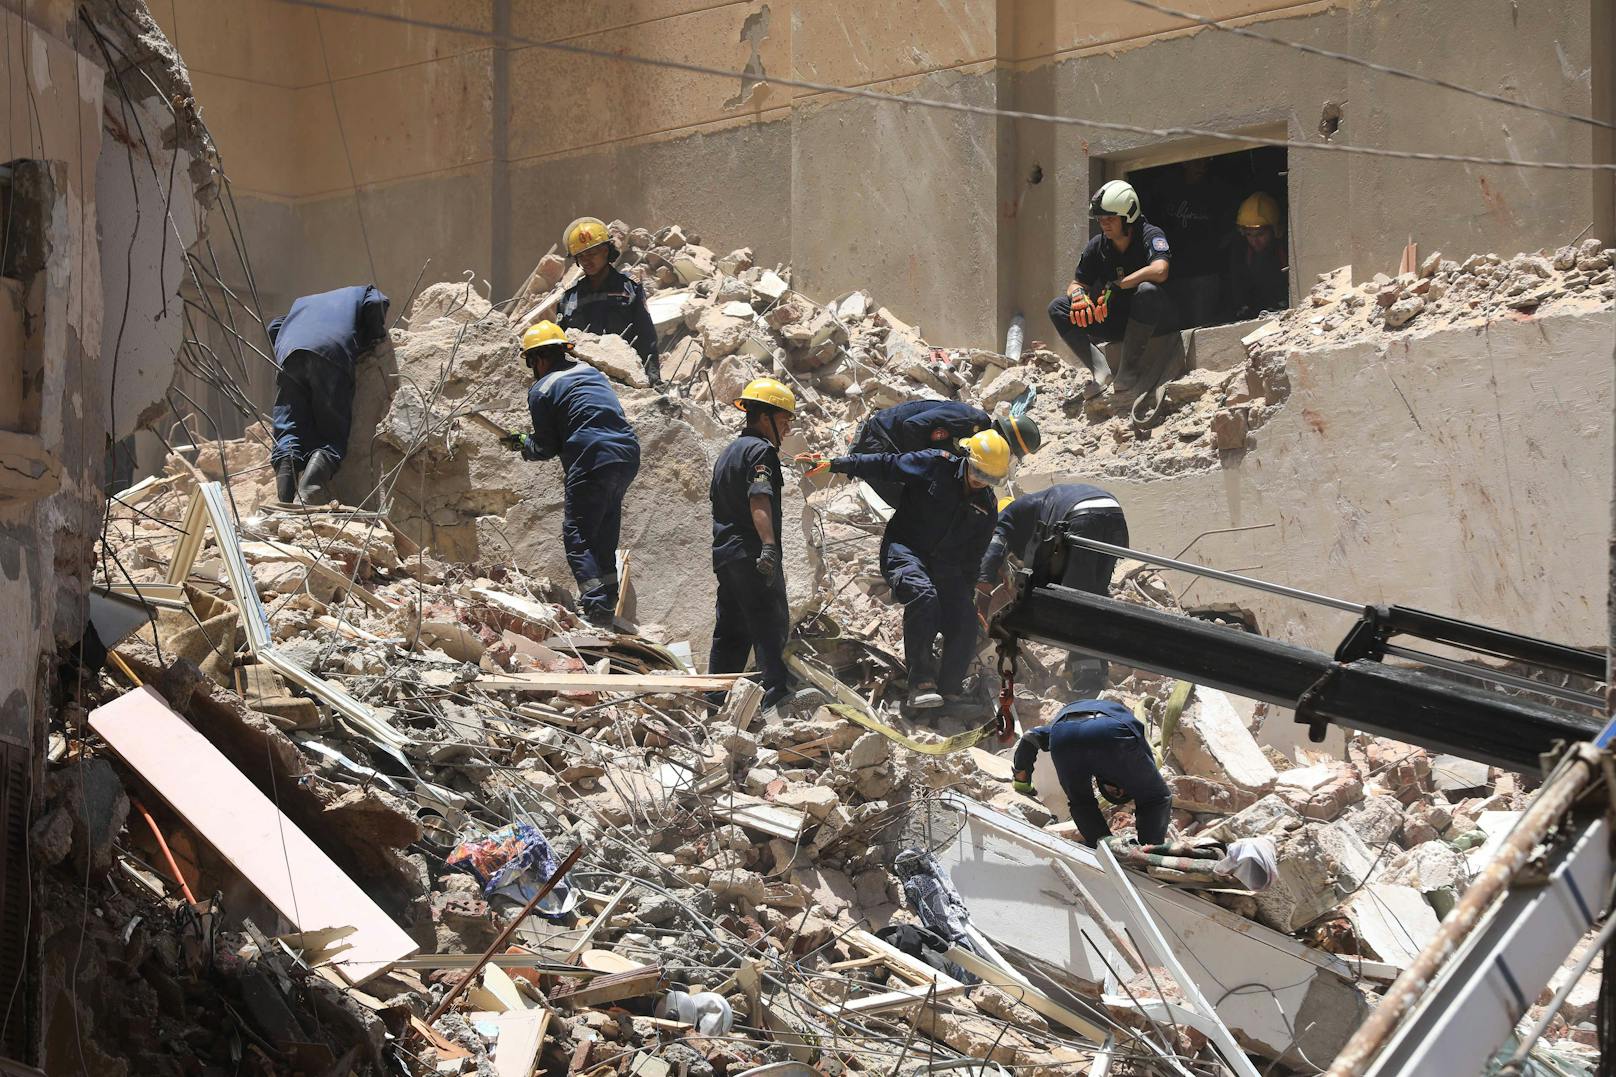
(1252, 861)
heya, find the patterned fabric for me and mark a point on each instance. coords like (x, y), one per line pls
(515, 861)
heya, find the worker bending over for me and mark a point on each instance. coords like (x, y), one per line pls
(316, 345)
(1118, 292)
(1097, 741)
(1259, 278)
(753, 616)
(1077, 509)
(931, 549)
(936, 424)
(577, 417)
(606, 300)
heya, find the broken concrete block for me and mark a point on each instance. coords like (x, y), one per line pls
(1452, 774)
(1404, 311)
(870, 750)
(692, 263)
(1434, 868)
(1322, 792)
(1213, 742)
(1376, 819)
(1319, 867)
(736, 261)
(769, 286)
(1392, 922)
(455, 300)
(1229, 428)
(1006, 387)
(1197, 794)
(611, 355)
(816, 801)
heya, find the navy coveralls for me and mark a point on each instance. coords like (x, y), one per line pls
(752, 611)
(1101, 264)
(316, 345)
(577, 417)
(1099, 740)
(929, 555)
(617, 308)
(916, 425)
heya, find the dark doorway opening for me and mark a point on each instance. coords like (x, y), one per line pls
(1222, 272)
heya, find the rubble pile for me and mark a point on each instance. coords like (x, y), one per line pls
(403, 683)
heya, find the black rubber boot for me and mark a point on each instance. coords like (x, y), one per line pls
(316, 473)
(286, 480)
(1134, 342)
(1095, 361)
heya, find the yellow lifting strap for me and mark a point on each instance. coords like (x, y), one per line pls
(850, 705)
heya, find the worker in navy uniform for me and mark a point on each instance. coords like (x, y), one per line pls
(753, 615)
(317, 344)
(1192, 205)
(1118, 292)
(578, 417)
(1258, 280)
(931, 549)
(1099, 742)
(606, 300)
(936, 424)
(1078, 509)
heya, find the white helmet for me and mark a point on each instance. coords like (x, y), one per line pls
(1115, 198)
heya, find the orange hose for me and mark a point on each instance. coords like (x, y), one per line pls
(163, 845)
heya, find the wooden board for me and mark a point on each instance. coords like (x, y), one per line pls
(643, 980)
(606, 682)
(221, 805)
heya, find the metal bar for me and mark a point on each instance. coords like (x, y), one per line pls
(1404, 704)
(1492, 641)
(1553, 801)
(1482, 673)
(1217, 574)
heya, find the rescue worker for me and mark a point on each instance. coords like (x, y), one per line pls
(753, 616)
(316, 345)
(931, 549)
(1095, 741)
(578, 417)
(936, 424)
(1078, 509)
(1118, 292)
(606, 300)
(1259, 278)
(1192, 204)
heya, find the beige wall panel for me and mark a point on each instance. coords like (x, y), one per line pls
(565, 102)
(1104, 24)
(548, 20)
(258, 40)
(415, 120)
(358, 45)
(847, 43)
(273, 141)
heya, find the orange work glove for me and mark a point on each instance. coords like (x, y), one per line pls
(1082, 309)
(1102, 306)
(812, 463)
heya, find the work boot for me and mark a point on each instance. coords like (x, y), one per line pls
(924, 696)
(1162, 363)
(286, 481)
(316, 473)
(1095, 361)
(1134, 342)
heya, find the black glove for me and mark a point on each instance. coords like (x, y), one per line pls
(768, 562)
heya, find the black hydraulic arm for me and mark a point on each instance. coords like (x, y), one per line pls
(1405, 704)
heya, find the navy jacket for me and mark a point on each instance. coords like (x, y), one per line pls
(338, 325)
(577, 417)
(937, 517)
(748, 465)
(1090, 740)
(618, 308)
(1018, 523)
(923, 424)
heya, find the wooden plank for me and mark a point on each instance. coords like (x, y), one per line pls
(754, 814)
(612, 988)
(588, 937)
(1028, 996)
(605, 682)
(221, 805)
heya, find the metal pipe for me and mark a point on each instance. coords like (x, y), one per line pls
(1219, 574)
(1578, 768)
(1482, 673)
(1513, 1067)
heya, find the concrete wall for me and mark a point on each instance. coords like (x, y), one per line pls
(1465, 471)
(361, 148)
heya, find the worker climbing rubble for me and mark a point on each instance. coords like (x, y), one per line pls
(931, 550)
(752, 616)
(1118, 292)
(606, 300)
(1099, 742)
(1077, 509)
(936, 424)
(316, 345)
(577, 417)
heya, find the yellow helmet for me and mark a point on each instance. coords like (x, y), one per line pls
(584, 233)
(1004, 502)
(989, 455)
(1258, 210)
(544, 335)
(769, 391)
